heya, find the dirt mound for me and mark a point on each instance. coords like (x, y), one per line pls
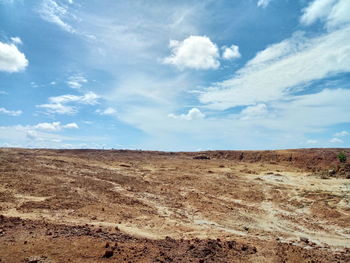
(308, 159)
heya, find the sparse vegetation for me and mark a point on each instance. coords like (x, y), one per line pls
(341, 157)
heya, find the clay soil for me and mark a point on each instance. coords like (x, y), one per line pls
(137, 206)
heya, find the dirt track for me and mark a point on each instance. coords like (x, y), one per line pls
(65, 205)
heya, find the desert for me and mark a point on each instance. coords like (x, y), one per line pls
(144, 206)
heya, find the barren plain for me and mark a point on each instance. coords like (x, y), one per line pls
(140, 206)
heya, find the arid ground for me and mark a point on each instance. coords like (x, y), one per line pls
(138, 206)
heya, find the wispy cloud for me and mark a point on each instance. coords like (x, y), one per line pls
(333, 12)
(107, 111)
(55, 13)
(311, 141)
(274, 72)
(76, 81)
(263, 3)
(10, 112)
(16, 40)
(336, 140)
(341, 134)
(59, 105)
(54, 126)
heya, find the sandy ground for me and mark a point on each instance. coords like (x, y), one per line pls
(65, 206)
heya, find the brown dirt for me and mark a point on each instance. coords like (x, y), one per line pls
(137, 206)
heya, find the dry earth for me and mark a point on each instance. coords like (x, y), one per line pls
(137, 206)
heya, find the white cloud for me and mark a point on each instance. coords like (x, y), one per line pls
(71, 125)
(316, 10)
(10, 112)
(333, 12)
(76, 81)
(107, 111)
(58, 104)
(32, 135)
(339, 14)
(58, 108)
(263, 3)
(280, 68)
(16, 40)
(52, 12)
(197, 52)
(311, 141)
(55, 126)
(231, 52)
(90, 98)
(11, 59)
(341, 134)
(254, 112)
(193, 114)
(336, 140)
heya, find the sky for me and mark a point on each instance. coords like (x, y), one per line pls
(175, 75)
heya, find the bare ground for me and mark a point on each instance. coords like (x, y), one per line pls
(134, 206)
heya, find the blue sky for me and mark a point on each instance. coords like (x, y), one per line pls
(175, 75)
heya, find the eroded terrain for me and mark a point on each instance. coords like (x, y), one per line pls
(134, 206)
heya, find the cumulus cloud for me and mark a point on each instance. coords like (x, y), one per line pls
(263, 3)
(59, 105)
(336, 140)
(107, 111)
(341, 134)
(231, 52)
(333, 12)
(193, 114)
(10, 112)
(197, 52)
(55, 13)
(55, 126)
(11, 59)
(76, 81)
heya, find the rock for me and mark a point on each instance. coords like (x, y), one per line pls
(108, 253)
(36, 259)
(304, 239)
(331, 172)
(201, 157)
